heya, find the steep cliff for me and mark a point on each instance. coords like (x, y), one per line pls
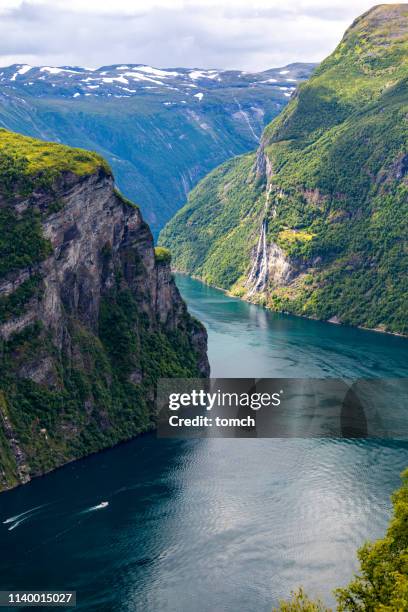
(90, 317)
(315, 223)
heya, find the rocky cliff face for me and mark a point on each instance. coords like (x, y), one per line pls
(87, 326)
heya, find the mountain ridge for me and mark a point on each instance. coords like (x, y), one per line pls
(315, 222)
(160, 130)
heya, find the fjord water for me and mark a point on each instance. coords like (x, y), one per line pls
(211, 524)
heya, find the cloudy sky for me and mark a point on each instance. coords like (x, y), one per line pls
(245, 34)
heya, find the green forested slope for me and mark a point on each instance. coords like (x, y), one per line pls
(329, 185)
(89, 315)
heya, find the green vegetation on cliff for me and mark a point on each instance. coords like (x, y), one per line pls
(21, 241)
(102, 397)
(382, 582)
(87, 328)
(330, 186)
(162, 254)
(27, 162)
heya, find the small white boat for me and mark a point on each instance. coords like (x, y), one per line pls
(100, 506)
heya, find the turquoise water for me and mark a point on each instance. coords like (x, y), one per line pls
(212, 524)
(249, 341)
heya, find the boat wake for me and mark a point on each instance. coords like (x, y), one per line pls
(17, 523)
(16, 517)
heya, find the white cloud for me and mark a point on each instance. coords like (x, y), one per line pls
(170, 33)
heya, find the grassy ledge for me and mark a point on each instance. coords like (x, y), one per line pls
(162, 255)
(25, 161)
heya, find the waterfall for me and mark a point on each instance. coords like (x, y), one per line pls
(245, 117)
(258, 275)
(270, 262)
(259, 271)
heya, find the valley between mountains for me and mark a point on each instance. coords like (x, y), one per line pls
(161, 130)
(314, 222)
(90, 316)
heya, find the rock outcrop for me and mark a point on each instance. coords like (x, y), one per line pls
(87, 328)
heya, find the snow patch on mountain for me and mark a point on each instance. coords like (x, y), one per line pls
(23, 70)
(157, 71)
(54, 70)
(141, 77)
(119, 79)
(143, 80)
(203, 74)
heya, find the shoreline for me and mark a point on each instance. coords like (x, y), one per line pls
(331, 322)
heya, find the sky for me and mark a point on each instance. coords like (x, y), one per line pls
(236, 34)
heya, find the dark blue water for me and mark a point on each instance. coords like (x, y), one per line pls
(212, 524)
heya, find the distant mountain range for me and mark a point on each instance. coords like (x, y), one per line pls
(161, 130)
